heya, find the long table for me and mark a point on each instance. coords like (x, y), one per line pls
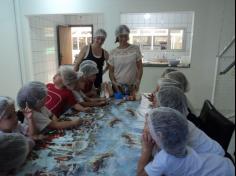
(110, 146)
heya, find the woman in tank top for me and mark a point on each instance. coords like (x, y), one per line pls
(96, 53)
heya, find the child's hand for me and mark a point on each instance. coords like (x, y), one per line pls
(147, 143)
(151, 97)
(28, 113)
(87, 109)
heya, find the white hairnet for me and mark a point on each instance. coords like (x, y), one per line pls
(88, 68)
(14, 149)
(169, 128)
(100, 33)
(169, 82)
(5, 103)
(31, 94)
(122, 30)
(172, 97)
(69, 76)
(179, 77)
(166, 71)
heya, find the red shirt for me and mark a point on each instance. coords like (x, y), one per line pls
(59, 100)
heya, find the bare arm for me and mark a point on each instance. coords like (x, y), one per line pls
(28, 113)
(79, 58)
(93, 104)
(80, 108)
(139, 73)
(65, 124)
(146, 156)
(112, 78)
(106, 60)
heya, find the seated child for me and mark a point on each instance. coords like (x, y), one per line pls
(14, 150)
(175, 98)
(168, 129)
(34, 96)
(10, 124)
(152, 95)
(59, 98)
(75, 82)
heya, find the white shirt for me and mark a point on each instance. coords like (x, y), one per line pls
(124, 62)
(41, 119)
(201, 143)
(193, 164)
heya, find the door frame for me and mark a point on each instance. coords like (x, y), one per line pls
(58, 40)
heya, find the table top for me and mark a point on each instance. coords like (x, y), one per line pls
(109, 146)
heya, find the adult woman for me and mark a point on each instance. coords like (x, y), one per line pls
(96, 53)
(125, 62)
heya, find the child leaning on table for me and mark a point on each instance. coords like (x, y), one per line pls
(34, 96)
(168, 129)
(59, 98)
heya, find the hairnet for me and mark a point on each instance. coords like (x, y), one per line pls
(179, 77)
(100, 33)
(69, 76)
(122, 30)
(88, 68)
(174, 98)
(5, 103)
(14, 149)
(169, 82)
(31, 94)
(169, 128)
(166, 71)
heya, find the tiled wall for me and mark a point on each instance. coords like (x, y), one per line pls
(163, 20)
(97, 20)
(44, 45)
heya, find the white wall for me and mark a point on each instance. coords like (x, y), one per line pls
(43, 38)
(208, 19)
(10, 76)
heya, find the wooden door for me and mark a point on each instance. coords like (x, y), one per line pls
(64, 45)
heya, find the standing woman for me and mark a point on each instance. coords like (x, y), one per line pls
(125, 63)
(96, 53)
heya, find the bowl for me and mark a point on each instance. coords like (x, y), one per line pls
(173, 63)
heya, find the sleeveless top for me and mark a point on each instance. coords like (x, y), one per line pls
(100, 63)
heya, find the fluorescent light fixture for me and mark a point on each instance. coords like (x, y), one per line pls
(147, 16)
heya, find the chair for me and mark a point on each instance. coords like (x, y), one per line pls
(215, 125)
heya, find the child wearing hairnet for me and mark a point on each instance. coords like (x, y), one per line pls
(76, 84)
(14, 150)
(175, 98)
(34, 96)
(168, 129)
(90, 71)
(9, 122)
(59, 97)
(151, 97)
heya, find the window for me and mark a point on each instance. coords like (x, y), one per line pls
(81, 36)
(161, 36)
(158, 39)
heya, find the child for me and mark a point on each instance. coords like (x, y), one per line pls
(9, 122)
(34, 96)
(89, 70)
(168, 129)
(175, 98)
(59, 98)
(14, 150)
(152, 95)
(75, 82)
